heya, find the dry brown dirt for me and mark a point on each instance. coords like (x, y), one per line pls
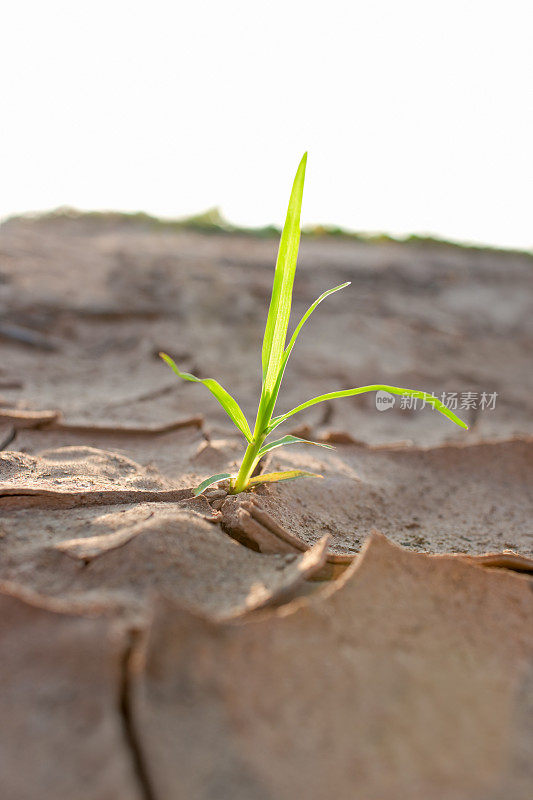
(366, 636)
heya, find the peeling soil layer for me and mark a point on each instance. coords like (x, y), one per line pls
(364, 636)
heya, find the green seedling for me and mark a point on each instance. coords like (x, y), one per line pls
(275, 355)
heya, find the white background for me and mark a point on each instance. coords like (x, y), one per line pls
(417, 115)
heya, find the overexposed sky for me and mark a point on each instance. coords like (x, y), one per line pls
(417, 115)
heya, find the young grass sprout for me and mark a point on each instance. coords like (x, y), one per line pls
(275, 355)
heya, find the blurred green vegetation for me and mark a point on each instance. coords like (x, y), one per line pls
(213, 222)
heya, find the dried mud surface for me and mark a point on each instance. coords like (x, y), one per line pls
(155, 645)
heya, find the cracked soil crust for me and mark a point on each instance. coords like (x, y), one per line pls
(367, 636)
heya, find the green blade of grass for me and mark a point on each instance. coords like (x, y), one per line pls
(209, 482)
(431, 399)
(288, 350)
(280, 303)
(228, 403)
(306, 316)
(290, 440)
(288, 475)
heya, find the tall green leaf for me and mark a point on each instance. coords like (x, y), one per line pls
(429, 398)
(280, 303)
(228, 403)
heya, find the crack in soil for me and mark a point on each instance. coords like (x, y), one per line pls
(18, 498)
(11, 436)
(125, 708)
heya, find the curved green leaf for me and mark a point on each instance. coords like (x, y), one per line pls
(209, 482)
(288, 350)
(434, 401)
(306, 317)
(288, 475)
(290, 440)
(280, 302)
(228, 403)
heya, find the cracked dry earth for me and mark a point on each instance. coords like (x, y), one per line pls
(368, 636)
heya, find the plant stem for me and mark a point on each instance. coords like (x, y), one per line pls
(249, 463)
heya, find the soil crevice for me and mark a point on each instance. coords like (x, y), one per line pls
(125, 708)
